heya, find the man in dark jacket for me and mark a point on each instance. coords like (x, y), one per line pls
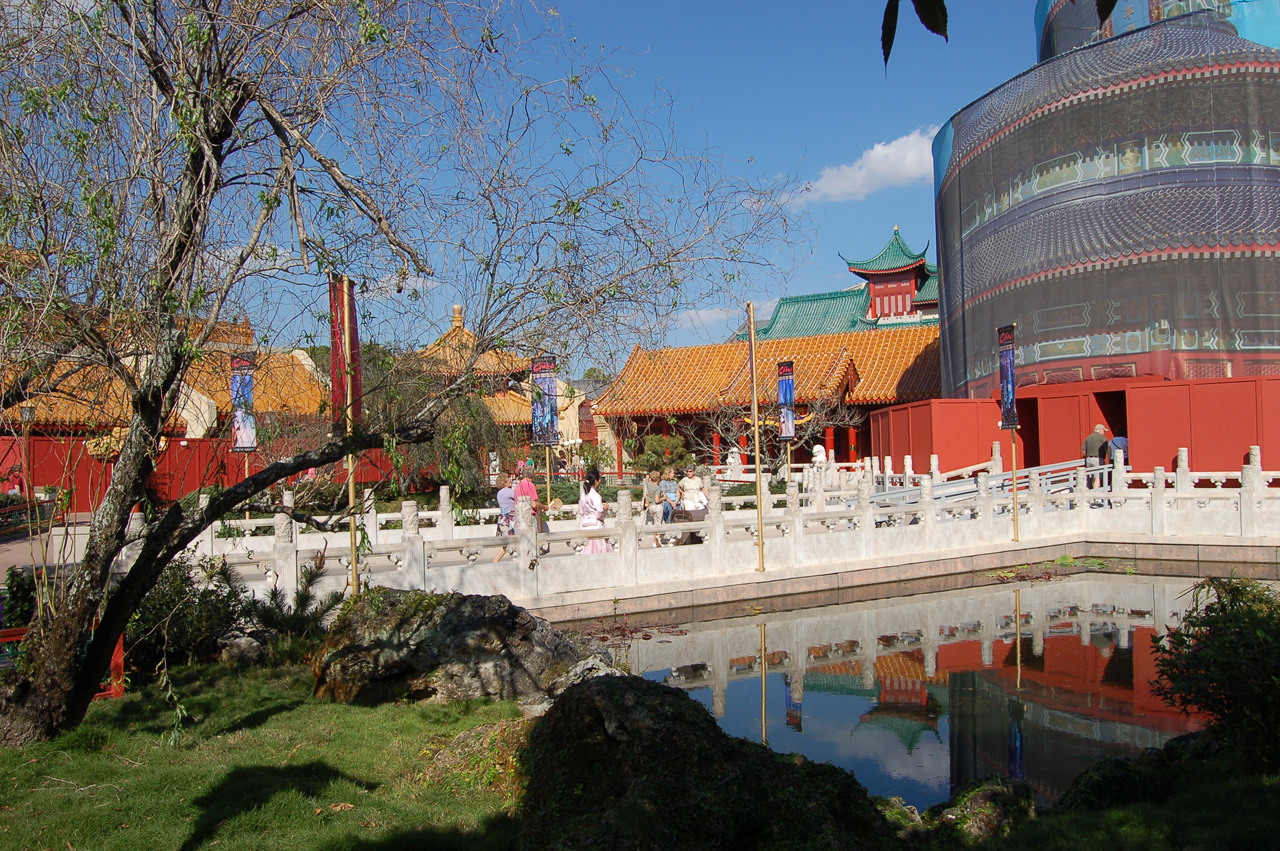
(1094, 450)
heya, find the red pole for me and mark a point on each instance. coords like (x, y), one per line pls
(742, 444)
(715, 449)
(853, 444)
(829, 439)
(618, 446)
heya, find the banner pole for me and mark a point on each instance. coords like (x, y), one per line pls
(246, 475)
(1013, 458)
(548, 448)
(755, 426)
(351, 458)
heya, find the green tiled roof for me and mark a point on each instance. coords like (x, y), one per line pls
(895, 255)
(822, 313)
(928, 291)
(826, 313)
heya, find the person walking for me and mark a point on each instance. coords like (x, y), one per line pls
(670, 493)
(1094, 450)
(526, 487)
(591, 512)
(653, 502)
(506, 511)
(691, 496)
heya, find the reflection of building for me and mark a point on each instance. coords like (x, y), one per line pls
(1120, 201)
(903, 667)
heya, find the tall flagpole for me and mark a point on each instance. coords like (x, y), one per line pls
(755, 425)
(351, 458)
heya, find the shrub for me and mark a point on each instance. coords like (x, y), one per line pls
(1224, 661)
(303, 617)
(184, 615)
(20, 598)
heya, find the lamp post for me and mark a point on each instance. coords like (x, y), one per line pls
(28, 415)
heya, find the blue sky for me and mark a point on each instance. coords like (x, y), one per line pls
(800, 89)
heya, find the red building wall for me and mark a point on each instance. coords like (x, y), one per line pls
(184, 466)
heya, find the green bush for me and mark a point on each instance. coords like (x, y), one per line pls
(1224, 661)
(20, 598)
(661, 452)
(303, 616)
(183, 616)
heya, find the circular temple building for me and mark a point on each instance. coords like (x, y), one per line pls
(1119, 201)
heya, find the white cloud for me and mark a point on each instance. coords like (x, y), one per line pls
(906, 160)
(710, 317)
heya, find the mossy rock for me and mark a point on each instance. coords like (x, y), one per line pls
(1118, 781)
(623, 763)
(390, 645)
(981, 811)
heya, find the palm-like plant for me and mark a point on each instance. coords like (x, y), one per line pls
(304, 616)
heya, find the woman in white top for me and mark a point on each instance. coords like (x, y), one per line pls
(591, 512)
(691, 496)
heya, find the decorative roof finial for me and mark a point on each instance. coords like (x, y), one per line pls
(457, 316)
(895, 228)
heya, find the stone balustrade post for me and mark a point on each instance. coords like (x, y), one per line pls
(205, 541)
(285, 551)
(1035, 506)
(988, 506)
(444, 526)
(908, 470)
(1157, 501)
(1119, 481)
(935, 472)
(526, 547)
(1250, 484)
(996, 466)
(818, 496)
(795, 519)
(928, 514)
(1182, 473)
(415, 555)
(370, 518)
(628, 543)
(875, 471)
(715, 516)
(888, 471)
(866, 520)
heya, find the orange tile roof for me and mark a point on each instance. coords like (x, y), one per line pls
(281, 383)
(452, 353)
(884, 366)
(509, 409)
(92, 401)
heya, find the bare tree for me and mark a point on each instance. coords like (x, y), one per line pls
(169, 165)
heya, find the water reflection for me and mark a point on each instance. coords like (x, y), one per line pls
(918, 694)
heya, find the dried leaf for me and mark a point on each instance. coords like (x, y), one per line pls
(340, 806)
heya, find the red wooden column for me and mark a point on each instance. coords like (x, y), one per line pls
(618, 446)
(742, 444)
(853, 444)
(829, 439)
(715, 449)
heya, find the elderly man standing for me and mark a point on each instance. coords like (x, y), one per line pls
(1094, 450)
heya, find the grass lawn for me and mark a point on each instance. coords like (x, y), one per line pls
(259, 765)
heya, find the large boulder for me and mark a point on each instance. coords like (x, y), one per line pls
(392, 645)
(624, 763)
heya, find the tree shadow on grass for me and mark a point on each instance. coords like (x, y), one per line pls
(245, 789)
(498, 833)
(256, 719)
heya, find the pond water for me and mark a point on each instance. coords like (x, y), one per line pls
(918, 693)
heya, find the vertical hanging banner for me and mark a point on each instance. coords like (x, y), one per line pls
(546, 413)
(787, 400)
(1008, 410)
(344, 378)
(244, 428)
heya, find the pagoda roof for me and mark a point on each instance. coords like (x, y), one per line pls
(821, 313)
(509, 408)
(459, 351)
(877, 367)
(927, 292)
(894, 257)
